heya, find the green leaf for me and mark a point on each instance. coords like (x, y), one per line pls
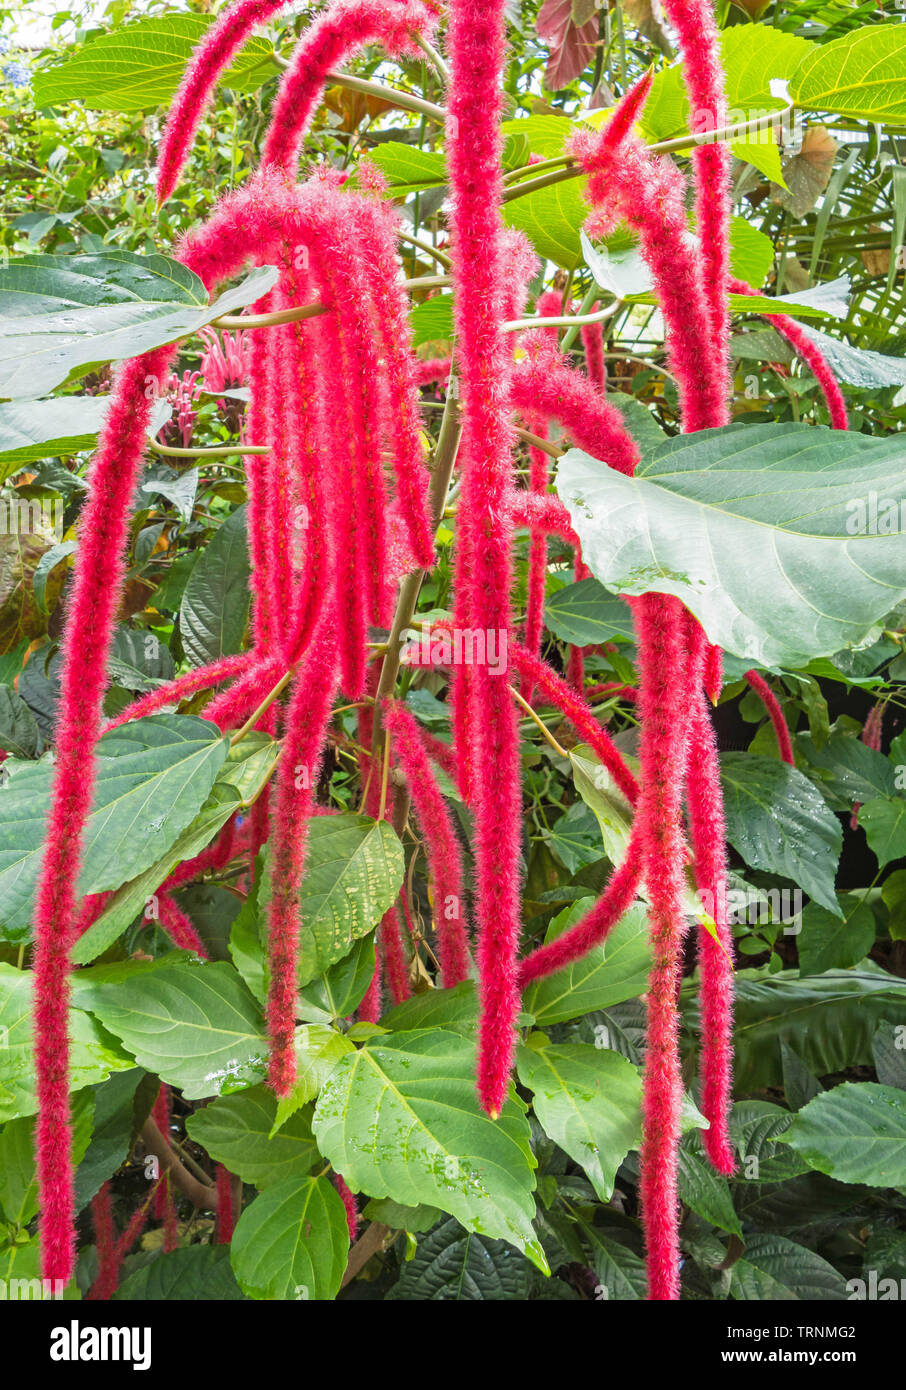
(153, 776)
(775, 1268)
(112, 1133)
(751, 252)
(859, 366)
(18, 1179)
(854, 1133)
(214, 612)
(456, 1009)
(292, 1242)
(432, 320)
(888, 1049)
(65, 315)
(318, 1050)
(35, 430)
(456, 1266)
(188, 1275)
(407, 168)
(607, 975)
(195, 1026)
(587, 615)
(18, 731)
(827, 941)
(706, 511)
(858, 75)
(779, 821)
(412, 1219)
(137, 66)
(337, 993)
(706, 1193)
(353, 872)
(93, 1053)
(400, 1118)
(884, 821)
(236, 1130)
(621, 1273)
(588, 1099)
(829, 1020)
(245, 771)
(856, 772)
(551, 218)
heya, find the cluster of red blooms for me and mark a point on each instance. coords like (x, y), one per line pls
(333, 397)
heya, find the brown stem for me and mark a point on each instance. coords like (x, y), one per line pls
(200, 1194)
(375, 1238)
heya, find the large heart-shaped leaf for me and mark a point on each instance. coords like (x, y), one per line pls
(400, 1118)
(67, 314)
(64, 425)
(707, 512)
(93, 1053)
(854, 1133)
(588, 1099)
(153, 775)
(292, 1242)
(138, 66)
(860, 74)
(195, 1026)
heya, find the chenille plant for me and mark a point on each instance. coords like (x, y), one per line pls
(433, 808)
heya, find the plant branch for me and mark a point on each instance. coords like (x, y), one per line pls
(200, 1194)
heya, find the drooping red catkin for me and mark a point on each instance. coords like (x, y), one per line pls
(441, 843)
(427, 371)
(696, 25)
(237, 703)
(542, 513)
(547, 305)
(104, 1286)
(258, 468)
(483, 581)
(346, 26)
(576, 710)
(179, 927)
(226, 1216)
(544, 382)
(215, 52)
(350, 1206)
(395, 964)
(616, 899)
(201, 678)
(810, 353)
(371, 1007)
(775, 713)
(664, 704)
(648, 192)
(377, 228)
(297, 779)
(715, 958)
(164, 1206)
(91, 611)
(593, 343)
(872, 731)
